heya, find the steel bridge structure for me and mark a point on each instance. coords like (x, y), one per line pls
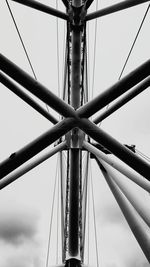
(76, 132)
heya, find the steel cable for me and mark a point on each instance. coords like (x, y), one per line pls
(52, 212)
(22, 43)
(94, 215)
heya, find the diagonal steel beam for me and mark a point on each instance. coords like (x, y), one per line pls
(18, 173)
(114, 8)
(43, 8)
(88, 3)
(36, 146)
(35, 87)
(66, 3)
(16, 90)
(136, 224)
(59, 105)
(129, 194)
(115, 90)
(115, 147)
(122, 168)
(137, 90)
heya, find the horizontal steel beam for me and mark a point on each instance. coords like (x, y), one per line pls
(115, 147)
(136, 224)
(115, 90)
(35, 87)
(137, 90)
(16, 90)
(23, 170)
(43, 8)
(114, 8)
(36, 146)
(122, 168)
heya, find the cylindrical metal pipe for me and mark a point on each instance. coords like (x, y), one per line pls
(16, 90)
(115, 90)
(36, 146)
(74, 202)
(41, 7)
(88, 3)
(136, 224)
(139, 206)
(35, 87)
(74, 193)
(137, 90)
(76, 68)
(18, 173)
(122, 168)
(114, 8)
(115, 147)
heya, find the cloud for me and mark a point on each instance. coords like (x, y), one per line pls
(138, 262)
(29, 258)
(112, 215)
(16, 229)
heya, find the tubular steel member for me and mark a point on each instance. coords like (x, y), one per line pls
(33, 148)
(137, 90)
(139, 206)
(123, 169)
(16, 90)
(115, 147)
(18, 173)
(41, 7)
(114, 8)
(75, 151)
(88, 3)
(59, 105)
(135, 222)
(66, 3)
(35, 87)
(115, 90)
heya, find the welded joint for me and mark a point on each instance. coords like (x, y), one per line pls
(77, 16)
(75, 138)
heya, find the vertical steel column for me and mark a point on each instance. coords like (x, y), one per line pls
(76, 67)
(73, 244)
(74, 203)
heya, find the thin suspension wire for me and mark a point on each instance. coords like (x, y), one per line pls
(57, 219)
(84, 201)
(21, 40)
(52, 212)
(94, 61)
(86, 97)
(136, 37)
(64, 63)
(22, 43)
(88, 59)
(142, 155)
(88, 237)
(58, 60)
(131, 49)
(94, 215)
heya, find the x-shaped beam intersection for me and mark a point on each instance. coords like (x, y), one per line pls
(72, 118)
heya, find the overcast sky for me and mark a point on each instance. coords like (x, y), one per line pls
(25, 206)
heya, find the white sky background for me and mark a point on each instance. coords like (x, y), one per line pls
(26, 204)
